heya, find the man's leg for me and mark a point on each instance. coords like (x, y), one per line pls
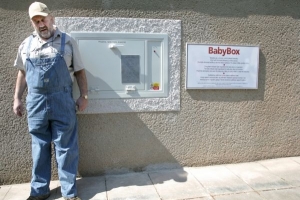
(41, 156)
(66, 149)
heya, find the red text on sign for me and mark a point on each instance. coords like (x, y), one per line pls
(223, 52)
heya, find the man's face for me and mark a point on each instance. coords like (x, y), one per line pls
(43, 26)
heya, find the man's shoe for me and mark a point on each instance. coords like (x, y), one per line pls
(41, 197)
(72, 198)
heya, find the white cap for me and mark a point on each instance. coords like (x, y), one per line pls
(38, 8)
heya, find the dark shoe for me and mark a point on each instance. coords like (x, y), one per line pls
(41, 197)
(72, 198)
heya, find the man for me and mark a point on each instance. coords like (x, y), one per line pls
(47, 61)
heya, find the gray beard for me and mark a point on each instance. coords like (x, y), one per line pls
(45, 35)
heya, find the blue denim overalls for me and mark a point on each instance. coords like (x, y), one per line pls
(51, 117)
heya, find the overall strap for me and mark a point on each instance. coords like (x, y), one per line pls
(29, 45)
(62, 45)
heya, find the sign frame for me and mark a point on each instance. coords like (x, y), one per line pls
(221, 66)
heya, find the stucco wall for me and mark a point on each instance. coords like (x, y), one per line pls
(212, 126)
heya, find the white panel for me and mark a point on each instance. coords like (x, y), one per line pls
(124, 65)
(104, 64)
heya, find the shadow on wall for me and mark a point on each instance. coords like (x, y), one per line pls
(119, 143)
(235, 95)
(229, 8)
(114, 143)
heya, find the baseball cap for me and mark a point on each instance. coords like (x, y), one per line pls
(38, 8)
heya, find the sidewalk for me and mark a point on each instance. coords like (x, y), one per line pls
(275, 179)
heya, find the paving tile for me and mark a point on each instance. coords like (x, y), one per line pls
(133, 186)
(297, 159)
(4, 190)
(22, 191)
(85, 191)
(241, 196)
(285, 168)
(177, 184)
(290, 194)
(54, 187)
(56, 194)
(18, 192)
(257, 176)
(92, 188)
(219, 180)
(200, 198)
(280, 164)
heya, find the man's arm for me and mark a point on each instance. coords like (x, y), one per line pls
(83, 88)
(19, 90)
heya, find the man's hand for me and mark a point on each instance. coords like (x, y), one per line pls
(18, 107)
(81, 103)
(20, 87)
(82, 84)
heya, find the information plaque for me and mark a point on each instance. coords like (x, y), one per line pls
(222, 66)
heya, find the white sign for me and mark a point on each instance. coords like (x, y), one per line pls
(222, 67)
